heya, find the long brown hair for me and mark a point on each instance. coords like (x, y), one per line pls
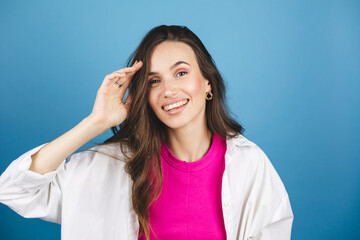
(142, 132)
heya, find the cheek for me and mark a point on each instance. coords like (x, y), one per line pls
(195, 87)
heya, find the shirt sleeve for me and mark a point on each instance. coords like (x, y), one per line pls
(268, 212)
(30, 194)
(280, 225)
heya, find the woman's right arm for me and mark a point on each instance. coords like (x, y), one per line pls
(108, 111)
(49, 157)
(32, 184)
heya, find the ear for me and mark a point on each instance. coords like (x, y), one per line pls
(208, 85)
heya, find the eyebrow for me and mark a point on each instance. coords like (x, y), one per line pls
(173, 66)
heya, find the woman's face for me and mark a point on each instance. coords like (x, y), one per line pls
(177, 88)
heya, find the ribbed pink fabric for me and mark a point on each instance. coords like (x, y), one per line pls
(189, 206)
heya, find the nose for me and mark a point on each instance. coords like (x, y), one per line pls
(169, 88)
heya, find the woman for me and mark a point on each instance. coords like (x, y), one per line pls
(185, 170)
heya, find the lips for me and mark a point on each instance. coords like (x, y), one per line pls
(174, 104)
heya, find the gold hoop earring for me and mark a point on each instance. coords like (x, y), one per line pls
(209, 95)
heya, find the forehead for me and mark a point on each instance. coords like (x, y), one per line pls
(169, 52)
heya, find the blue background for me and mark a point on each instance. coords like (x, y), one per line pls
(292, 69)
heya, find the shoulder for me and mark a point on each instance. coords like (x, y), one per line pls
(98, 158)
(248, 160)
(96, 171)
(242, 149)
(255, 183)
(244, 152)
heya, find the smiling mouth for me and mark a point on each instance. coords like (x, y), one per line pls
(175, 105)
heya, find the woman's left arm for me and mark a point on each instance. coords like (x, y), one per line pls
(265, 212)
(274, 202)
(279, 227)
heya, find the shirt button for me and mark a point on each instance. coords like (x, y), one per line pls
(226, 204)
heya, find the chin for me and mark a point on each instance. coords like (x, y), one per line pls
(175, 124)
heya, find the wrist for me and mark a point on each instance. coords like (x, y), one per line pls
(95, 124)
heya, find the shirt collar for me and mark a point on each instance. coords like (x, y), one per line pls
(238, 140)
(232, 144)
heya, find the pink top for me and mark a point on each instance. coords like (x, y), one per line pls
(189, 206)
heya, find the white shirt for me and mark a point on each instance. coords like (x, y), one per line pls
(90, 194)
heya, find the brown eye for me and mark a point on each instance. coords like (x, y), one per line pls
(151, 82)
(182, 73)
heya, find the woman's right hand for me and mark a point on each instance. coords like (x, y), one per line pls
(109, 109)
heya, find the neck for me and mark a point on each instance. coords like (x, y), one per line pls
(189, 144)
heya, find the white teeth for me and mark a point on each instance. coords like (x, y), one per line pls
(175, 105)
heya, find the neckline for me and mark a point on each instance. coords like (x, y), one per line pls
(191, 166)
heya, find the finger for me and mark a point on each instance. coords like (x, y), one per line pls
(138, 64)
(125, 82)
(131, 71)
(123, 88)
(127, 102)
(116, 75)
(134, 67)
(122, 75)
(111, 78)
(129, 74)
(125, 70)
(129, 99)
